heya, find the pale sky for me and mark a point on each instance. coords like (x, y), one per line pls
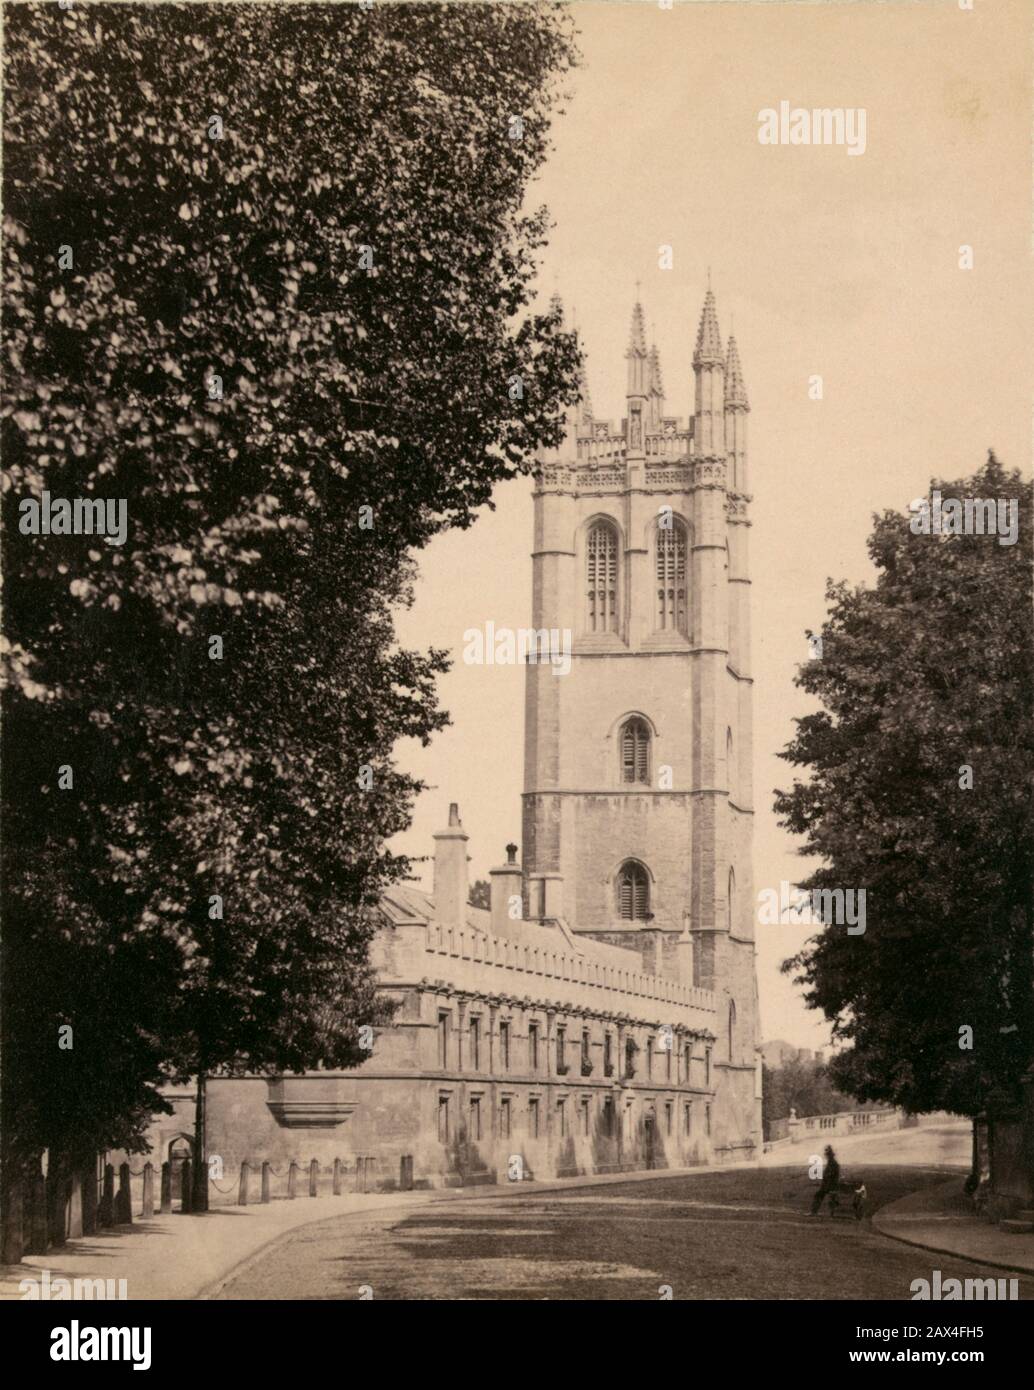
(846, 267)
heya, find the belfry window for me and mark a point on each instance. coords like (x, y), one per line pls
(602, 578)
(633, 892)
(635, 751)
(671, 578)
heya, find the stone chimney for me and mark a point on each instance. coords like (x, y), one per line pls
(450, 872)
(506, 884)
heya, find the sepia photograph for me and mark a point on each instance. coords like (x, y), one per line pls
(517, 746)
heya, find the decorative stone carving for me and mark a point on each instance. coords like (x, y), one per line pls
(673, 478)
(709, 473)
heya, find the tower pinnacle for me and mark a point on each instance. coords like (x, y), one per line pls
(735, 390)
(579, 413)
(585, 403)
(655, 387)
(656, 380)
(709, 339)
(638, 391)
(637, 334)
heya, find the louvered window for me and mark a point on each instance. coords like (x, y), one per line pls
(671, 579)
(602, 578)
(635, 752)
(633, 893)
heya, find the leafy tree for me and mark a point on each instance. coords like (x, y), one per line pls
(268, 276)
(481, 893)
(921, 791)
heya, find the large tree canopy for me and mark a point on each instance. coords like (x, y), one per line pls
(268, 280)
(921, 791)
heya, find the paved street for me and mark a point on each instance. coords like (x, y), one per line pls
(722, 1235)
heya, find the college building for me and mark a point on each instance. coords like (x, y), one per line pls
(601, 1014)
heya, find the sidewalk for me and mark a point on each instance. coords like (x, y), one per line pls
(181, 1257)
(940, 1219)
(185, 1257)
(175, 1256)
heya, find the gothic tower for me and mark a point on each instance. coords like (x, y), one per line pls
(637, 806)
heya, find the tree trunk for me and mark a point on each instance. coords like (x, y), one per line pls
(973, 1180)
(12, 1237)
(88, 1168)
(200, 1170)
(58, 1196)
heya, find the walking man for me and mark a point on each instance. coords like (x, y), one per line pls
(830, 1184)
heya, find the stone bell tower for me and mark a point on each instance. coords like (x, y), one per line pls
(638, 803)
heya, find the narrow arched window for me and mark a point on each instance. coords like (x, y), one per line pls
(633, 892)
(730, 903)
(730, 766)
(732, 1027)
(671, 578)
(601, 564)
(635, 751)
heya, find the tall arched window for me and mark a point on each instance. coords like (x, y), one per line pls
(633, 892)
(671, 578)
(601, 574)
(732, 1026)
(730, 902)
(730, 766)
(635, 751)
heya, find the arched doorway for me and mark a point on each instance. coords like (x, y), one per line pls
(180, 1149)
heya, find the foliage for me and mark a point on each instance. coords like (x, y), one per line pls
(290, 345)
(481, 893)
(803, 1086)
(926, 673)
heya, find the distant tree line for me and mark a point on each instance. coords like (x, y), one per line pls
(803, 1086)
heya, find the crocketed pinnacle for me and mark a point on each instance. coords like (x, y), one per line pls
(637, 337)
(735, 390)
(585, 404)
(656, 380)
(709, 339)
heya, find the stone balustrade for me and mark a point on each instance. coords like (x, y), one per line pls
(668, 445)
(844, 1122)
